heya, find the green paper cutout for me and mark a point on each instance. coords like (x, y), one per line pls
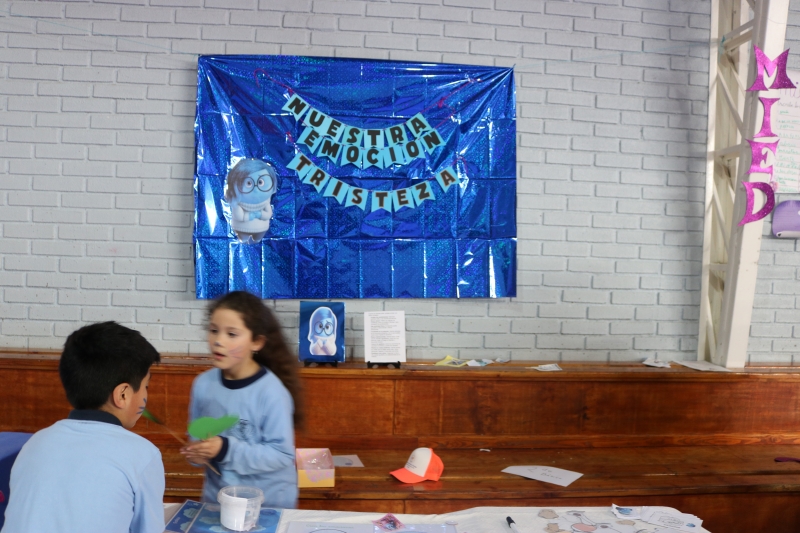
(151, 417)
(206, 427)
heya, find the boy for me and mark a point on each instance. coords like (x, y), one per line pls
(88, 473)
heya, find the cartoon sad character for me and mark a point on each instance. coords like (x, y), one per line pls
(250, 186)
(322, 332)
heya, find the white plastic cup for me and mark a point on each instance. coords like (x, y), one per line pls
(239, 507)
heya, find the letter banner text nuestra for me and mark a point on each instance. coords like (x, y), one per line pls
(337, 178)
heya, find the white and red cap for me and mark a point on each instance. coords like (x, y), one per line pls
(422, 465)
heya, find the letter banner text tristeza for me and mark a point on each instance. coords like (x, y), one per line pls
(351, 178)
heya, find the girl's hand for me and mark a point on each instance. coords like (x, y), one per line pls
(202, 451)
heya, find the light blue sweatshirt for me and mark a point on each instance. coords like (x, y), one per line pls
(260, 448)
(86, 474)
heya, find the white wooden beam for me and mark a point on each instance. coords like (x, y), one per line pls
(738, 40)
(769, 33)
(731, 104)
(706, 320)
(720, 216)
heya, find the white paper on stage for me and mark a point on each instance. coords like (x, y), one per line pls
(703, 366)
(385, 336)
(548, 474)
(322, 527)
(553, 367)
(652, 361)
(333, 527)
(347, 460)
(785, 119)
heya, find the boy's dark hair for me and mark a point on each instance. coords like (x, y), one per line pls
(275, 354)
(98, 357)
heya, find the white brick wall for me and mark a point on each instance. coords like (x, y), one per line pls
(96, 161)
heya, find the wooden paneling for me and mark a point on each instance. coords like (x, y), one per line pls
(34, 396)
(585, 406)
(701, 442)
(385, 408)
(715, 482)
(348, 406)
(607, 408)
(419, 407)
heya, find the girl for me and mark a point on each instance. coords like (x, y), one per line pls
(255, 377)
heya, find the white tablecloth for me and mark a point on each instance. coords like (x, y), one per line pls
(484, 519)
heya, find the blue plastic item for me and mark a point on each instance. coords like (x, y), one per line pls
(10, 445)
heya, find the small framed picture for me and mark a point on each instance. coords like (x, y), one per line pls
(322, 332)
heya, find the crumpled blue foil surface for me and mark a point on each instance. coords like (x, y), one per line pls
(462, 244)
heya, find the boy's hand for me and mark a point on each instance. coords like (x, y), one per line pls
(202, 451)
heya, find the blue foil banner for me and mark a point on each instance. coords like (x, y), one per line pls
(325, 178)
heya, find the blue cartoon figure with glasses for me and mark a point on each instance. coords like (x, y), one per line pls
(250, 186)
(322, 332)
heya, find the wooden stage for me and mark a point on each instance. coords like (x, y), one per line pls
(702, 442)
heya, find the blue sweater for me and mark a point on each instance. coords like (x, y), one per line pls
(87, 474)
(259, 450)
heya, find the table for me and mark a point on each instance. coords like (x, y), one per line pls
(485, 519)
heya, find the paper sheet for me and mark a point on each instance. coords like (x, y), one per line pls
(652, 361)
(333, 527)
(786, 125)
(321, 527)
(671, 518)
(449, 360)
(385, 337)
(477, 520)
(479, 362)
(548, 474)
(347, 460)
(704, 366)
(553, 367)
(196, 517)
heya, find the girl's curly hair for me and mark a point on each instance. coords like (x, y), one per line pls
(275, 354)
